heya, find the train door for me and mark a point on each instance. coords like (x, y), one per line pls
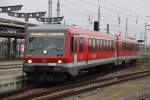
(115, 46)
(82, 54)
(75, 48)
(118, 50)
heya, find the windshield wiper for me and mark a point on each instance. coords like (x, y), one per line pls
(32, 49)
(46, 48)
(53, 47)
(58, 49)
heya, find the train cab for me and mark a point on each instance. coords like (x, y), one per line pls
(46, 50)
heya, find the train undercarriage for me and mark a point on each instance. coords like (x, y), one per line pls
(45, 74)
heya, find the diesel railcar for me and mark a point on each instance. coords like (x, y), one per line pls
(52, 52)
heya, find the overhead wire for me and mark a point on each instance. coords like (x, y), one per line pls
(103, 18)
(78, 11)
(90, 3)
(110, 9)
(104, 2)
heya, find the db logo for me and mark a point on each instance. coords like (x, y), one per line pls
(94, 56)
(44, 60)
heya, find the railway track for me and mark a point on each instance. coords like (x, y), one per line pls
(37, 90)
(71, 89)
(26, 87)
(38, 87)
(92, 85)
(34, 90)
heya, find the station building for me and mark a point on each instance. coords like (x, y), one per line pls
(12, 34)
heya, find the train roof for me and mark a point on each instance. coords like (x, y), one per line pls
(73, 30)
(127, 39)
(49, 27)
(92, 34)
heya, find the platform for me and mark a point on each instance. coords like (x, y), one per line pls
(11, 75)
(11, 82)
(10, 64)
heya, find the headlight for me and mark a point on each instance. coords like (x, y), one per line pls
(59, 61)
(45, 51)
(30, 61)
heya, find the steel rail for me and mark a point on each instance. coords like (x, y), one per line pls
(53, 89)
(74, 89)
(94, 85)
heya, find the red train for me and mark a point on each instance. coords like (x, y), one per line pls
(52, 52)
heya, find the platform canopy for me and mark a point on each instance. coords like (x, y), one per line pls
(12, 28)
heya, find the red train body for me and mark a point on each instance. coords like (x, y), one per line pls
(57, 50)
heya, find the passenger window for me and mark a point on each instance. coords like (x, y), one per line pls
(100, 43)
(90, 45)
(97, 45)
(125, 46)
(71, 44)
(109, 45)
(112, 45)
(104, 45)
(81, 41)
(122, 45)
(128, 46)
(93, 45)
(75, 45)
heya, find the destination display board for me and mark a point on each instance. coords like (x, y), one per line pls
(11, 32)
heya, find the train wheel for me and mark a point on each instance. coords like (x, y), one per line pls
(109, 67)
(132, 62)
(49, 77)
(41, 77)
(31, 77)
(60, 76)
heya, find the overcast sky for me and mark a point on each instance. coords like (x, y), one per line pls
(82, 12)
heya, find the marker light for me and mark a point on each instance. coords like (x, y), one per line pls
(59, 61)
(30, 61)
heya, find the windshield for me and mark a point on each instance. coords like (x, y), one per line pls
(46, 44)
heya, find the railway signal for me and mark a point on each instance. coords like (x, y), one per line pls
(107, 29)
(96, 26)
(140, 41)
